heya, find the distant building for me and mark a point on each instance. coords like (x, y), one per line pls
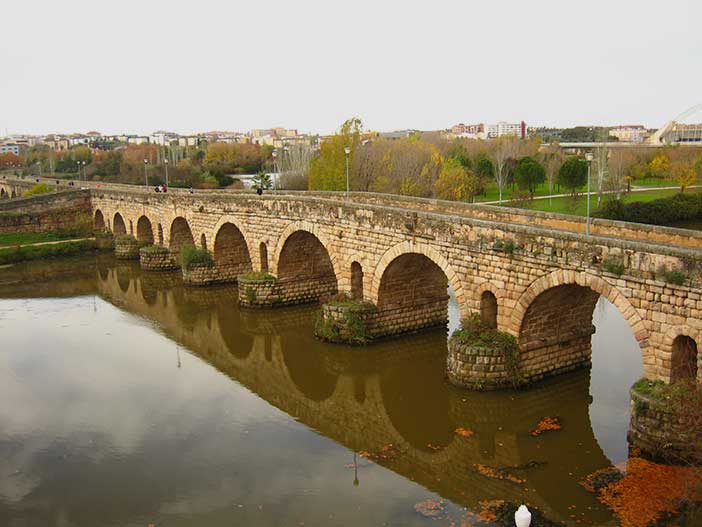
(504, 128)
(635, 133)
(10, 148)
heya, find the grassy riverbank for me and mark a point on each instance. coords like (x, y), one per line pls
(13, 239)
(21, 253)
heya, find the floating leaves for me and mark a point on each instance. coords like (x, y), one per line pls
(497, 473)
(388, 451)
(464, 432)
(647, 492)
(430, 509)
(545, 425)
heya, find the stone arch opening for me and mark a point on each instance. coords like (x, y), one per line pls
(263, 256)
(131, 227)
(413, 295)
(231, 253)
(356, 281)
(3, 194)
(145, 233)
(488, 309)
(203, 242)
(305, 268)
(160, 234)
(180, 235)
(14, 194)
(99, 221)
(118, 226)
(684, 358)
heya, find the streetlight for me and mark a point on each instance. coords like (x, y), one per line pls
(165, 162)
(588, 158)
(522, 518)
(146, 180)
(347, 151)
(275, 158)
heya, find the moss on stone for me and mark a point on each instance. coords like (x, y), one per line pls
(261, 276)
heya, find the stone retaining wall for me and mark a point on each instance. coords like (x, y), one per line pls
(160, 260)
(661, 430)
(61, 211)
(126, 248)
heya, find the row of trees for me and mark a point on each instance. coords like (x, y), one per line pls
(429, 165)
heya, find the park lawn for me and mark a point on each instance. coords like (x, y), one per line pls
(578, 206)
(492, 193)
(15, 238)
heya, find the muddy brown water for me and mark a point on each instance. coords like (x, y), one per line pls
(127, 399)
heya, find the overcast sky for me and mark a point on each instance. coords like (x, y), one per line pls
(139, 66)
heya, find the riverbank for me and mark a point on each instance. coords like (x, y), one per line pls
(51, 249)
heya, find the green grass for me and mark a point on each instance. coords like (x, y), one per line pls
(13, 238)
(35, 252)
(578, 206)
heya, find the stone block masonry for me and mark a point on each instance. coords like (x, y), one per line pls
(126, 248)
(53, 212)
(400, 254)
(154, 258)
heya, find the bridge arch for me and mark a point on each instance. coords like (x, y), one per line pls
(557, 309)
(677, 343)
(14, 194)
(145, 232)
(422, 249)
(3, 194)
(99, 221)
(118, 225)
(231, 251)
(180, 234)
(316, 232)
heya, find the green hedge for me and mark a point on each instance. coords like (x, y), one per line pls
(664, 211)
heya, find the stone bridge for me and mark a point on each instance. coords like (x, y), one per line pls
(536, 276)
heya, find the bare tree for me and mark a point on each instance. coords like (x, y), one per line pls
(552, 158)
(294, 166)
(503, 149)
(600, 160)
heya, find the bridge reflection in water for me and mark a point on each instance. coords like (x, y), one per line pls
(393, 393)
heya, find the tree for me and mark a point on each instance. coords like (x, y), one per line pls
(552, 157)
(573, 173)
(528, 174)
(600, 161)
(684, 173)
(328, 170)
(294, 166)
(455, 182)
(504, 149)
(660, 166)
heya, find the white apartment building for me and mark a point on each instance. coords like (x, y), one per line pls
(10, 148)
(504, 128)
(635, 133)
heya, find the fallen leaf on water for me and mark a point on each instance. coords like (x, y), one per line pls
(430, 509)
(464, 432)
(496, 473)
(434, 447)
(546, 424)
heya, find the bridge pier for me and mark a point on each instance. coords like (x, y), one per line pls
(262, 289)
(156, 258)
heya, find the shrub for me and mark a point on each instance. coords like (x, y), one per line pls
(125, 238)
(664, 211)
(191, 256)
(614, 267)
(41, 188)
(154, 249)
(674, 277)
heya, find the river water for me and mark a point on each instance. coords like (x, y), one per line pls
(127, 399)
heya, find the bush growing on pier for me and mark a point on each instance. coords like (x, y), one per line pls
(154, 249)
(192, 256)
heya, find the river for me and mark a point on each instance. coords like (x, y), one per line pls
(127, 399)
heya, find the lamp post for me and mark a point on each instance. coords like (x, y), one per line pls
(347, 151)
(146, 180)
(165, 163)
(588, 158)
(275, 165)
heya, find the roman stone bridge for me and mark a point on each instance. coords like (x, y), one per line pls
(536, 276)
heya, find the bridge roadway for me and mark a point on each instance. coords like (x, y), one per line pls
(358, 400)
(536, 274)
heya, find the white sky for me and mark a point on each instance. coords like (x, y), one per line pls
(140, 66)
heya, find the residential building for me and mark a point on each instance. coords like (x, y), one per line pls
(633, 133)
(10, 148)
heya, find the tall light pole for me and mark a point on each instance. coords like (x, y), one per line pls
(275, 164)
(165, 162)
(146, 180)
(588, 158)
(347, 151)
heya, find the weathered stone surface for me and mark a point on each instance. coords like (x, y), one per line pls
(126, 248)
(665, 430)
(516, 255)
(158, 260)
(60, 211)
